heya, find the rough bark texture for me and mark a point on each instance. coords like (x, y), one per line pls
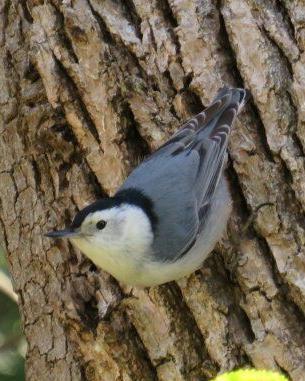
(87, 88)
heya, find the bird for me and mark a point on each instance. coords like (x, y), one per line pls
(172, 209)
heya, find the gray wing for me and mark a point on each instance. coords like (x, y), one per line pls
(181, 176)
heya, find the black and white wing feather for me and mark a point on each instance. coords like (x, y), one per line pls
(180, 178)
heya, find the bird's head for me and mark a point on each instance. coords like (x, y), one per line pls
(109, 225)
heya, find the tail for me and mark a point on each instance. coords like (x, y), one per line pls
(236, 95)
(215, 122)
(211, 131)
(220, 115)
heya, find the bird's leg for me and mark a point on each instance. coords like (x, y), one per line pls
(128, 298)
(119, 305)
(252, 217)
(237, 237)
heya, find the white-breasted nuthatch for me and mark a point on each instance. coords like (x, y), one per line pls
(171, 210)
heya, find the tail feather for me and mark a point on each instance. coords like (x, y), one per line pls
(214, 122)
(239, 95)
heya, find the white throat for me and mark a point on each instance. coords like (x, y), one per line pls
(123, 246)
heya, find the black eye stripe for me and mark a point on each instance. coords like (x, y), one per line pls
(101, 224)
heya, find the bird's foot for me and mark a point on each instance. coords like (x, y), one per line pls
(237, 237)
(235, 259)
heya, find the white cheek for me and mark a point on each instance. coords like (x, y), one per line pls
(137, 232)
(123, 246)
(130, 231)
(112, 234)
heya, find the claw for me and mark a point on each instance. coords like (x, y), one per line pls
(237, 237)
(252, 217)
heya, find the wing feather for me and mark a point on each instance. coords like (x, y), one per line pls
(182, 175)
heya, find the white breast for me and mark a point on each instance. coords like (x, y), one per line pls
(129, 259)
(158, 273)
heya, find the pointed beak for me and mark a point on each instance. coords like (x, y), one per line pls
(66, 233)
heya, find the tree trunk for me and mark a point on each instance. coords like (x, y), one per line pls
(87, 88)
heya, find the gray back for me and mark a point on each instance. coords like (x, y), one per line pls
(181, 176)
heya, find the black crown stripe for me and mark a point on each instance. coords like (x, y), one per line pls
(131, 196)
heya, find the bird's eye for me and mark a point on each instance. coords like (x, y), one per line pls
(101, 224)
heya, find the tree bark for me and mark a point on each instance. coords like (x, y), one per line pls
(87, 88)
